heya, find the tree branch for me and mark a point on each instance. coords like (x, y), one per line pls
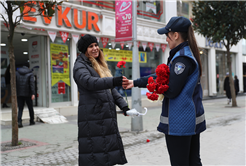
(3, 6)
(4, 20)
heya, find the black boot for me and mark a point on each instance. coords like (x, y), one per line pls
(5, 105)
(20, 125)
(32, 123)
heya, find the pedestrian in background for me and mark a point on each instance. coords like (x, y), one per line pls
(25, 92)
(8, 87)
(227, 88)
(99, 138)
(236, 84)
(182, 118)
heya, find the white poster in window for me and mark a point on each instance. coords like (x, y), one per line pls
(34, 53)
(150, 7)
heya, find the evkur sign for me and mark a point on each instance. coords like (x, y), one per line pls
(66, 17)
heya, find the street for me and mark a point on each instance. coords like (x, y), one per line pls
(223, 144)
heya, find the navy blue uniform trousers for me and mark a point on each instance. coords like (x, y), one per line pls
(184, 150)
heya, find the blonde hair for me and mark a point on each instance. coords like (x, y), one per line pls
(100, 65)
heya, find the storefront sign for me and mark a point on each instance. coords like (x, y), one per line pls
(210, 43)
(59, 63)
(66, 16)
(163, 47)
(123, 20)
(125, 55)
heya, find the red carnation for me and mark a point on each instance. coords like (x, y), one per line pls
(160, 85)
(151, 87)
(121, 63)
(163, 88)
(150, 80)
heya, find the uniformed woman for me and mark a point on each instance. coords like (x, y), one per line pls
(182, 118)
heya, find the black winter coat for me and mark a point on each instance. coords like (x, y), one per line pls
(99, 140)
(25, 82)
(236, 84)
(227, 87)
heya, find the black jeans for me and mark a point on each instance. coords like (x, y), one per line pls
(184, 150)
(21, 102)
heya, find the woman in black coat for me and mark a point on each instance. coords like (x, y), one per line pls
(99, 139)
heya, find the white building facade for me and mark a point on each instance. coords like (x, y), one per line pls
(51, 54)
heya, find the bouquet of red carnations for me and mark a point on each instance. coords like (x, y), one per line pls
(160, 84)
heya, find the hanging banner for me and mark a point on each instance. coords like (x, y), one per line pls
(129, 45)
(157, 46)
(104, 41)
(123, 55)
(138, 44)
(163, 47)
(52, 35)
(98, 39)
(123, 20)
(151, 45)
(64, 36)
(144, 44)
(75, 37)
(113, 43)
(122, 45)
(59, 64)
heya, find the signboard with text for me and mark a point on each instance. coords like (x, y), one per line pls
(123, 55)
(123, 20)
(59, 63)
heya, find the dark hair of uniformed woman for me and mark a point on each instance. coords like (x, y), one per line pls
(193, 45)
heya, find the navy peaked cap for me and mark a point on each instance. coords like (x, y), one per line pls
(176, 24)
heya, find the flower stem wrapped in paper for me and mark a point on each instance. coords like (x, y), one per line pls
(160, 85)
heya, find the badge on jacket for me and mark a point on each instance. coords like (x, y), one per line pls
(179, 68)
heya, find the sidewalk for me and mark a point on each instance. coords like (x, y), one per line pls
(56, 144)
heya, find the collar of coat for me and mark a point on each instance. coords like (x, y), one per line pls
(85, 58)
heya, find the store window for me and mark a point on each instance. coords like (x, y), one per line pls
(244, 47)
(28, 50)
(107, 5)
(183, 9)
(222, 69)
(151, 10)
(205, 74)
(60, 71)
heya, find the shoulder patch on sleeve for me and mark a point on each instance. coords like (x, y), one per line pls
(179, 68)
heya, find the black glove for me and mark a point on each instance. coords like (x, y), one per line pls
(125, 109)
(117, 81)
